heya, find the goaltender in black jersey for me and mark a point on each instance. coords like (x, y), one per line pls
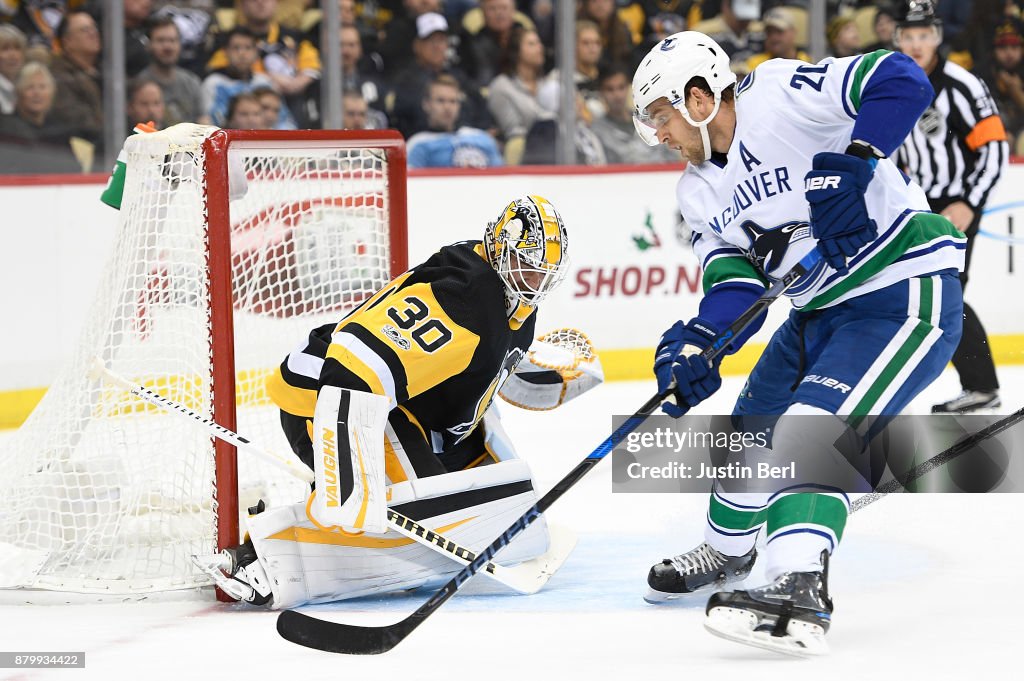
(392, 408)
(436, 341)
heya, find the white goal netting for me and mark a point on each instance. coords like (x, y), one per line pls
(101, 492)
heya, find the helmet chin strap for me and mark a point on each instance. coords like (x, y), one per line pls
(702, 125)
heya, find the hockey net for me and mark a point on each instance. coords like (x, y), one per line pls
(232, 246)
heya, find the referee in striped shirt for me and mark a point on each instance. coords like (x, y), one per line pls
(956, 152)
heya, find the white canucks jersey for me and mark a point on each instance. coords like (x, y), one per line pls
(751, 210)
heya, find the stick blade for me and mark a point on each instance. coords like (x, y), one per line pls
(336, 637)
(530, 576)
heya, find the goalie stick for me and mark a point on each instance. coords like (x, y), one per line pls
(337, 637)
(527, 578)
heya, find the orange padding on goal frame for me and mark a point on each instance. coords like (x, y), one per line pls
(987, 130)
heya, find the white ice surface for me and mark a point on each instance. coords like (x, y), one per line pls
(925, 588)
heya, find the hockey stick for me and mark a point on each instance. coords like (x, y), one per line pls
(940, 459)
(527, 577)
(99, 371)
(351, 639)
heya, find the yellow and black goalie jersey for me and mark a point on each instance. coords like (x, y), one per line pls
(436, 340)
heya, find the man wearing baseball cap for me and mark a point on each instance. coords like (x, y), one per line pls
(779, 39)
(430, 50)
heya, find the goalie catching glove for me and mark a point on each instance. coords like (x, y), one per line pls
(559, 366)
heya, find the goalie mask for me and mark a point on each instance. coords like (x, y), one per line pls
(527, 247)
(666, 70)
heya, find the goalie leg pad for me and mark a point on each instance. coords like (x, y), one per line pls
(348, 459)
(307, 564)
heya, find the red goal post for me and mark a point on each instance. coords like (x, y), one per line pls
(232, 245)
(219, 215)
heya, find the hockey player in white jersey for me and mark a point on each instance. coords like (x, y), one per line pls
(796, 158)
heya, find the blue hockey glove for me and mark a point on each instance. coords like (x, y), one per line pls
(839, 218)
(678, 357)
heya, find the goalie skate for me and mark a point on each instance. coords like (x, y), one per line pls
(696, 571)
(237, 570)
(238, 573)
(790, 616)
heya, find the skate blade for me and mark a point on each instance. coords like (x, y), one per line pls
(801, 639)
(655, 597)
(216, 567)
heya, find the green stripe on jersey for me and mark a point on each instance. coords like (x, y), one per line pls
(724, 269)
(860, 74)
(807, 509)
(918, 230)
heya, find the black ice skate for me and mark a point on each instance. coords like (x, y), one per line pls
(791, 615)
(237, 569)
(698, 570)
(969, 401)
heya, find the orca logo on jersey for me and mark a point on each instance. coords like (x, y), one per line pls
(830, 182)
(768, 246)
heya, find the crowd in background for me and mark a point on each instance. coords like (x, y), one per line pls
(469, 83)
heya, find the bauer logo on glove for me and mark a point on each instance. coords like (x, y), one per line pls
(839, 216)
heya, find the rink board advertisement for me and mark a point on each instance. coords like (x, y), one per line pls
(633, 273)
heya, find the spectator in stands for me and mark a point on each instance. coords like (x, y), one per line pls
(182, 89)
(39, 21)
(430, 50)
(884, 27)
(354, 111)
(541, 141)
(1007, 80)
(136, 55)
(737, 30)
(513, 94)
(79, 102)
(275, 113)
(244, 112)
(779, 39)
(972, 48)
(30, 141)
(370, 19)
(145, 103)
(443, 144)
(193, 22)
(285, 56)
(480, 52)
(843, 37)
(355, 75)
(399, 34)
(615, 128)
(615, 35)
(955, 16)
(588, 58)
(651, 21)
(237, 77)
(12, 58)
